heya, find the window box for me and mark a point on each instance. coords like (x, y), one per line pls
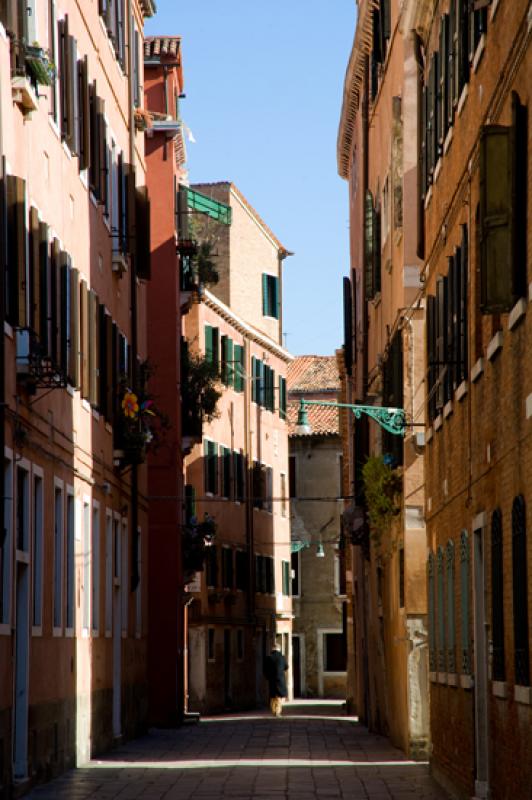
(39, 66)
(24, 94)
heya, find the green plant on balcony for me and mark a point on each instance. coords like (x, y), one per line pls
(140, 424)
(197, 538)
(39, 65)
(200, 392)
(382, 489)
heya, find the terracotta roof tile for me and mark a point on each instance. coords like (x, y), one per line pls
(161, 46)
(313, 374)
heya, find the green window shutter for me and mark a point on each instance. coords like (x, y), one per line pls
(230, 367)
(440, 594)
(277, 305)
(282, 397)
(253, 381)
(265, 297)
(520, 194)
(496, 219)
(238, 356)
(386, 18)
(377, 251)
(224, 366)
(369, 240)
(208, 344)
(431, 610)
(464, 603)
(216, 347)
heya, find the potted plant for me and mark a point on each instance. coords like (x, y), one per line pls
(39, 65)
(140, 423)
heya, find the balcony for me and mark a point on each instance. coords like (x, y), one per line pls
(35, 368)
(31, 67)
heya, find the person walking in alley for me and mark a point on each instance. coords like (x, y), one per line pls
(275, 666)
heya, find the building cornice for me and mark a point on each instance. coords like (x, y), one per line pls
(354, 77)
(211, 301)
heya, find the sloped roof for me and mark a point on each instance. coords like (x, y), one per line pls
(315, 377)
(313, 374)
(155, 46)
(323, 420)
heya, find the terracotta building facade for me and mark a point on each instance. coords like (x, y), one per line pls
(73, 557)
(236, 470)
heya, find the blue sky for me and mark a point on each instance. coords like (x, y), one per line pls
(264, 81)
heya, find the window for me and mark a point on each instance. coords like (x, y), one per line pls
(440, 593)
(268, 489)
(112, 13)
(295, 560)
(239, 371)
(286, 574)
(137, 65)
(86, 567)
(372, 247)
(15, 275)
(257, 485)
(210, 466)
(239, 477)
(520, 593)
(269, 575)
(22, 518)
(212, 348)
(503, 203)
(95, 567)
(292, 482)
(225, 459)
(241, 558)
(58, 558)
(449, 574)
(239, 644)
(334, 656)
(256, 380)
(228, 370)
(392, 395)
(212, 566)
(282, 397)
(124, 578)
(283, 494)
(38, 549)
(227, 568)
(268, 393)
(108, 573)
(270, 296)
(211, 655)
(260, 574)
(464, 599)
(6, 545)
(70, 535)
(497, 596)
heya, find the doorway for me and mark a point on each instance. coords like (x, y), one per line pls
(296, 665)
(117, 630)
(481, 657)
(22, 642)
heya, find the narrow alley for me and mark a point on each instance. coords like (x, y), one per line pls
(314, 751)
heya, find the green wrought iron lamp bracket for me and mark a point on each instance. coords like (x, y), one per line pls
(392, 420)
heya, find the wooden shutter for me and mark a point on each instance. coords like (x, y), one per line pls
(4, 231)
(45, 284)
(130, 208)
(369, 241)
(94, 149)
(431, 354)
(101, 161)
(230, 370)
(444, 78)
(64, 312)
(216, 347)
(73, 365)
(143, 233)
(34, 274)
(377, 251)
(84, 340)
(84, 149)
(386, 18)
(265, 297)
(56, 304)
(62, 27)
(17, 243)
(450, 54)
(452, 317)
(118, 235)
(496, 219)
(378, 54)
(348, 326)
(277, 298)
(464, 301)
(441, 335)
(208, 343)
(520, 202)
(463, 45)
(93, 348)
(437, 108)
(109, 364)
(72, 95)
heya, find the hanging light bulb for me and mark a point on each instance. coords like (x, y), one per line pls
(320, 551)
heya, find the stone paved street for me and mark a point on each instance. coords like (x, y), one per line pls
(314, 751)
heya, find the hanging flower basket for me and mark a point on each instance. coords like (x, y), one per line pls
(140, 423)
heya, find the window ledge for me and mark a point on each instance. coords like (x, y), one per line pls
(5, 629)
(494, 346)
(448, 140)
(493, 10)
(499, 689)
(448, 409)
(442, 677)
(523, 694)
(477, 370)
(429, 435)
(24, 94)
(461, 391)
(517, 313)
(437, 170)
(452, 679)
(462, 101)
(529, 406)
(466, 681)
(428, 197)
(8, 330)
(438, 422)
(433, 677)
(481, 46)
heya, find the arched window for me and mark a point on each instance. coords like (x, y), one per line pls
(441, 611)
(497, 596)
(432, 620)
(464, 603)
(451, 639)
(520, 593)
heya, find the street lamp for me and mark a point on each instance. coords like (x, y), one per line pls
(392, 420)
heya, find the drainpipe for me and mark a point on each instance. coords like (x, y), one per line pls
(134, 310)
(3, 263)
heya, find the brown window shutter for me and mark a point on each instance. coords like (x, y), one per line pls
(84, 340)
(56, 304)
(130, 209)
(441, 335)
(34, 274)
(17, 244)
(110, 358)
(72, 97)
(431, 354)
(118, 235)
(103, 357)
(143, 233)
(64, 312)
(520, 202)
(45, 291)
(464, 303)
(73, 366)
(101, 158)
(63, 73)
(84, 114)
(496, 219)
(94, 149)
(93, 348)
